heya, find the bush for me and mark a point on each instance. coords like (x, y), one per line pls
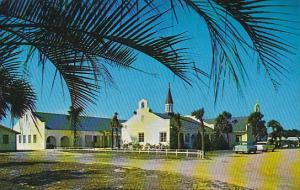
(197, 142)
(137, 146)
(219, 143)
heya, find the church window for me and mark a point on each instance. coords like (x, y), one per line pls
(24, 138)
(162, 137)
(34, 138)
(29, 138)
(141, 137)
(20, 139)
(143, 105)
(5, 139)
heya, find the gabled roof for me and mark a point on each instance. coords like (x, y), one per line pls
(60, 122)
(163, 115)
(8, 129)
(190, 120)
(183, 119)
(238, 123)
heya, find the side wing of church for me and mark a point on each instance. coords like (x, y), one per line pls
(50, 130)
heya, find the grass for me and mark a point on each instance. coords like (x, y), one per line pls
(90, 170)
(40, 170)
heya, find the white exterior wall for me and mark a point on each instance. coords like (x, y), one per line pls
(11, 146)
(58, 134)
(26, 126)
(148, 123)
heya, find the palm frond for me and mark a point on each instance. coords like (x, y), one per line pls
(226, 21)
(4, 80)
(16, 95)
(81, 37)
(21, 98)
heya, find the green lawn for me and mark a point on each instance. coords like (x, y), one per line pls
(53, 170)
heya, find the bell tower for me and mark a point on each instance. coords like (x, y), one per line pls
(169, 102)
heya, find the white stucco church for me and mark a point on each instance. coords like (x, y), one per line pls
(146, 127)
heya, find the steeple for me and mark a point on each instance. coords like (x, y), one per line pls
(169, 102)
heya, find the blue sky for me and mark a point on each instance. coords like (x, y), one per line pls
(131, 85)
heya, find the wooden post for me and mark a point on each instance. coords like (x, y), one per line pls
(166, 152)
(176, 152)
(201, 154)
(139, 151)
(187, 152)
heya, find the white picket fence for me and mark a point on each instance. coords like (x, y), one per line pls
(166, 152)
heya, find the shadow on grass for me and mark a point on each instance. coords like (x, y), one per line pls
(49, 177)
(17, 164)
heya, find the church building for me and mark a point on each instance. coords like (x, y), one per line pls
(149, 128)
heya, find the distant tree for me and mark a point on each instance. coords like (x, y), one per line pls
(219, 143)
(176, 123)
(198, 114)
(291, 133)
(255, 120)
(115, 125)
(277, 131)
(74, 117)
(197, 142)
(223, 125)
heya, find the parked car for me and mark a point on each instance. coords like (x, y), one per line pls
(265, 146)
(245, 148)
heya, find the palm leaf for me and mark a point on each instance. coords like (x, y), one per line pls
(226, 20)
(81, 37)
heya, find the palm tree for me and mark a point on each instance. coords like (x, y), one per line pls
(82, 37)
(176, 122)
(74, 118)
(258, 125)
(277, 130)
(16, 96)
(198, 114)
(115, 125)
(224, 125)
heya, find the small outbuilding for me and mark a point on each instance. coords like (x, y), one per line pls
(7, 139)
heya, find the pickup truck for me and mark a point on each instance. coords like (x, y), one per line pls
(265, 146)
(245, 148)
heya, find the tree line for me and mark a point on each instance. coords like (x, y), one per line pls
(223, 126)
